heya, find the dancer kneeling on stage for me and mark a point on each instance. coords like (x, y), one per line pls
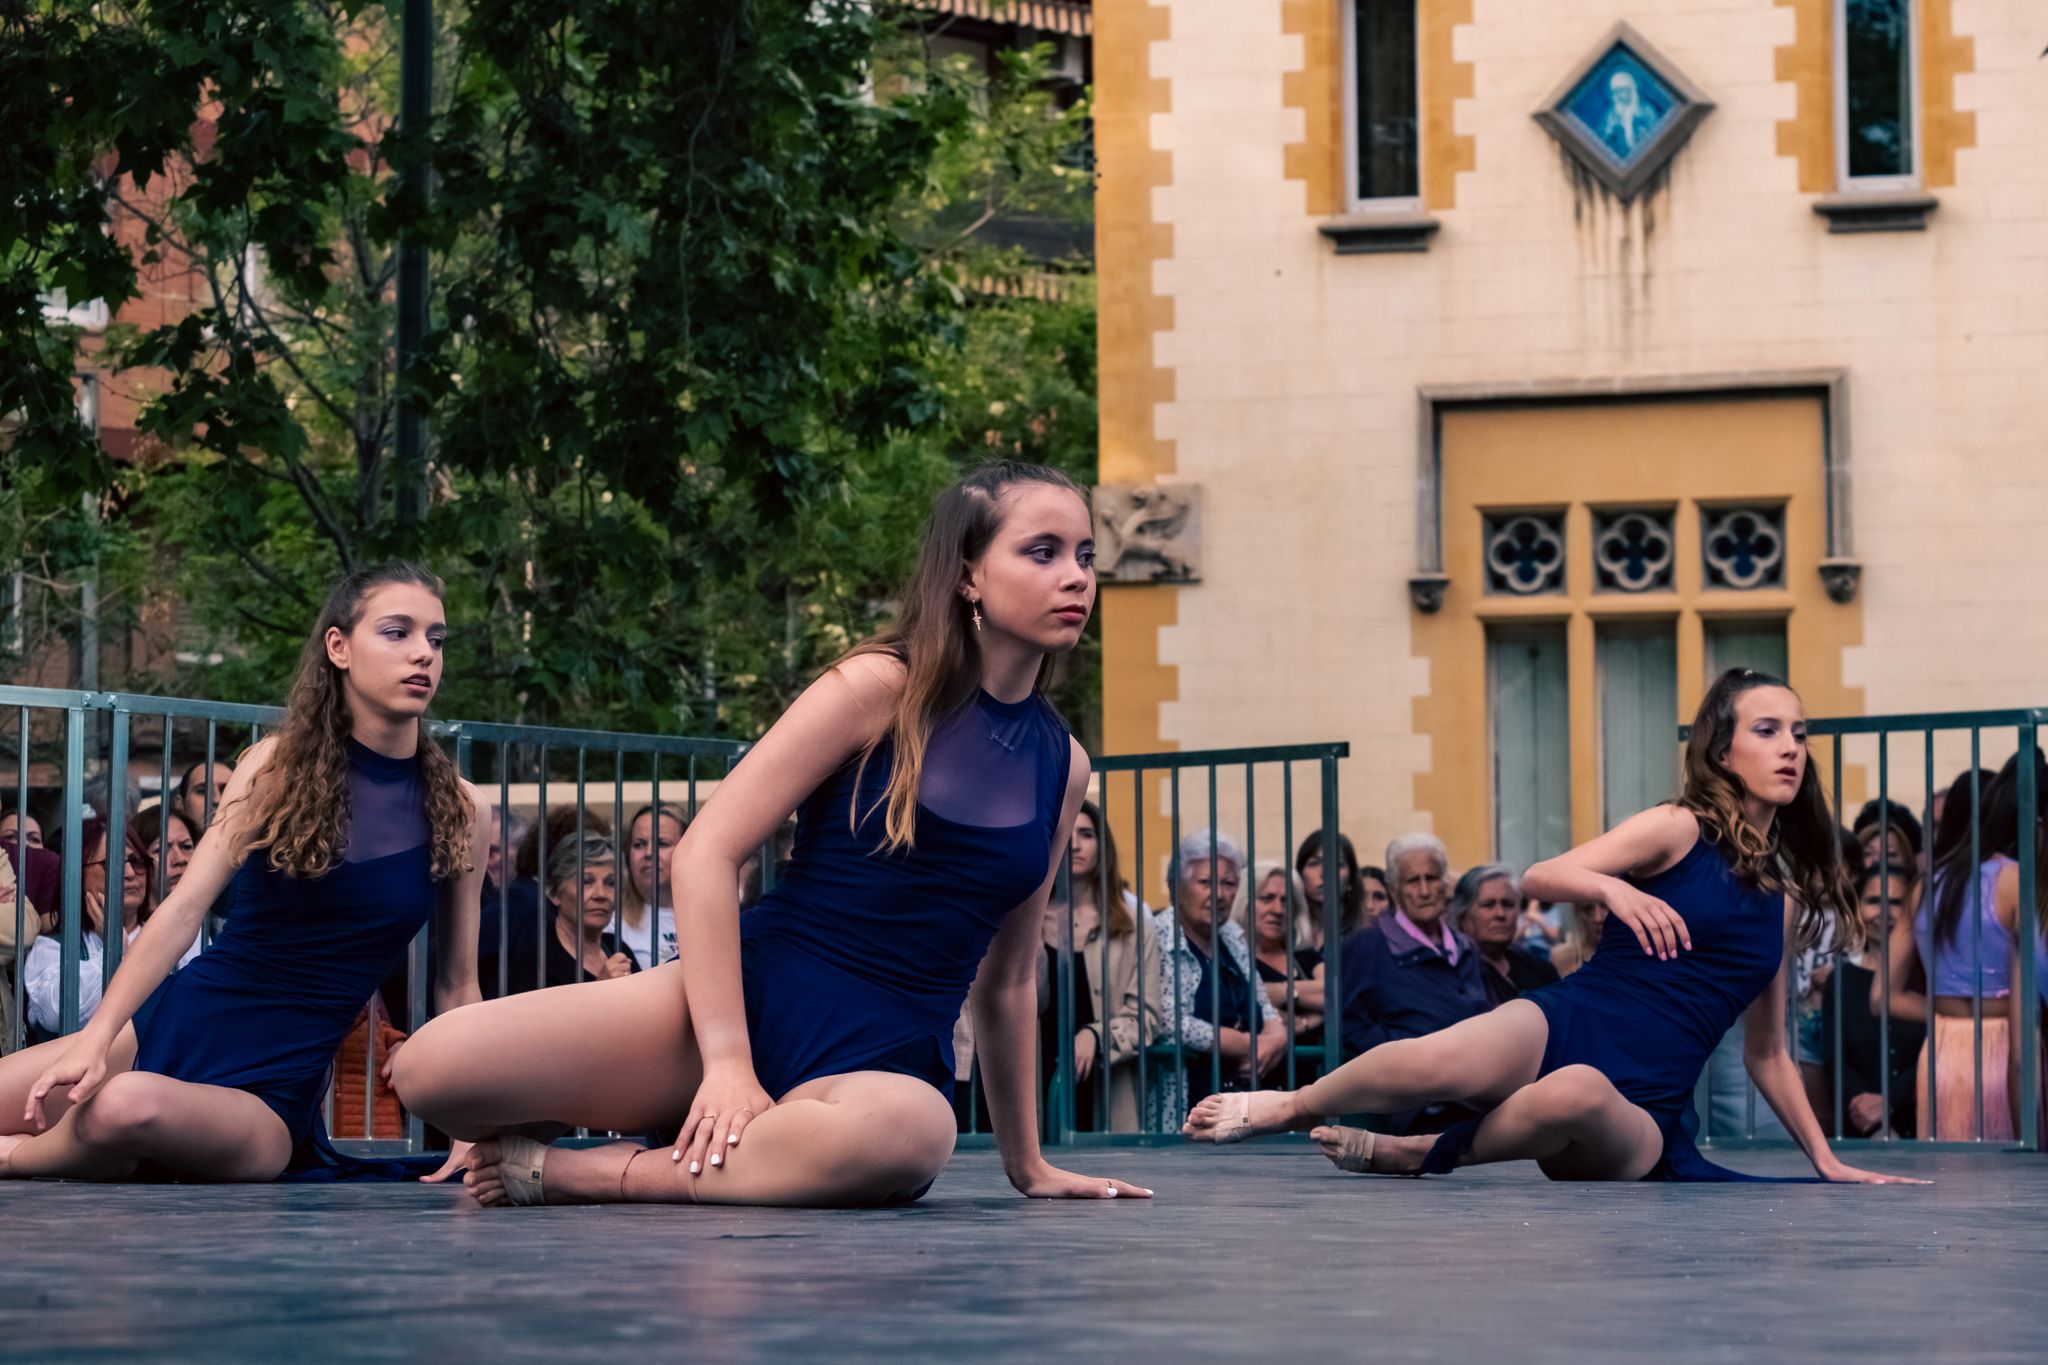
(1592, 1078)
(342, 834)
(803, 1054)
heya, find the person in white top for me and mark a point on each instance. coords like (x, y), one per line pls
(43, 973)
(651, 837)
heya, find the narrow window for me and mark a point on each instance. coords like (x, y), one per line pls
(1877, 89)
(1383, 99)
(1638, 719)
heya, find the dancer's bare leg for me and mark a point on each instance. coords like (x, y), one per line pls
(614, 1055)
(19, 1071)
(620, 1055)
(1483, 1059)
(203, 1132)
(863, 1138)
(1573, 1123)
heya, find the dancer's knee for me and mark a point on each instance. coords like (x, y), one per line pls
(121, 1114)
(427, 1075)
(904, 1144)
(1570, 1095)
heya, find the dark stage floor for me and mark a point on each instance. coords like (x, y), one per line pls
(1259, 1253)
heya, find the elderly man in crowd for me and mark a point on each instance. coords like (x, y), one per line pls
(1208, 991)
(1410, 972)
(1487, 907)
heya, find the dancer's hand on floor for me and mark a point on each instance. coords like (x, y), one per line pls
(82, 1068)
(727, 1101)
(458, 1158)
(1835, 1173)
(1050, 1182)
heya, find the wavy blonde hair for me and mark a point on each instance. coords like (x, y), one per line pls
(933, 634)
(1801, 853)
(299, 803)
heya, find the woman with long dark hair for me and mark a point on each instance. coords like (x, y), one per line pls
(1592, 1077)
(803, 1053)
(1961, 939)
(342, 834)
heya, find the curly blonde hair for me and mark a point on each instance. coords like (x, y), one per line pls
(299, 802)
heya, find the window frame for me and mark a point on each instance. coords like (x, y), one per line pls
(1876, 184)
(1390, 204)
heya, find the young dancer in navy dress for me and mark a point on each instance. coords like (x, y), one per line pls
(1592, 1077)
(804, 1053)
(342, 835)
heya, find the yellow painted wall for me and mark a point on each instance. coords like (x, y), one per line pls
(1616, 454)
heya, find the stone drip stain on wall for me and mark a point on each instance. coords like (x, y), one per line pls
(1616, 260)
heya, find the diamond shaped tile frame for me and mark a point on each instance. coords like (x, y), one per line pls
(1625, 182)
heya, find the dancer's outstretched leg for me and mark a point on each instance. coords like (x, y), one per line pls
(1573, 1123)
(1484, 1059)
(620, 1055)
(204, 1132)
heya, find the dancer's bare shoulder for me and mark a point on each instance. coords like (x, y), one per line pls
(1643, 845)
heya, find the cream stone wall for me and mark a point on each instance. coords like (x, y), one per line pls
(1294, 371)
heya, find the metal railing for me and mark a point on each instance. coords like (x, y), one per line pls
(1144, 1055)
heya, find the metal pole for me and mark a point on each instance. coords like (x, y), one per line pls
(2026, 1009)
(415, 112)
(115, 930)
(74, 871)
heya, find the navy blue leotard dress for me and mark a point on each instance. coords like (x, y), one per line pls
(860, 959)
(1649, 1026)
(265, 1006)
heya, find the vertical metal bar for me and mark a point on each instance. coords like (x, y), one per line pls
(20, 856)
(1884, 958)
(1063, 1004)
(115, 933)
(543, 911)
(206, 816)
(582, 829)
(654, 915)
(163, 818)
(1253, 986)
(1144, 924)
(74, 870)
(507, 867)
(1179, 942)
(1884, 1020)
(1105, 1015)
(1977, 978)
(1333, 900)
(622, 841)
(2026, 1011)
(1216, 951)
(1287, 862)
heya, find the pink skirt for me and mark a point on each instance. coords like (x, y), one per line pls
(1955, 1075)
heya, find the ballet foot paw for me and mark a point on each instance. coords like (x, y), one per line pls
(1364, 1152)
(1236, 1115)
(486, 1178)
(8, 1142)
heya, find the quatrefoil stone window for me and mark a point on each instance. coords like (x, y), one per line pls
(1525, 553)
(1743, 547)
(1633, 551)
(1624, 111)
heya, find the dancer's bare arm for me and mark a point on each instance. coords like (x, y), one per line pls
(162, 941)
(1646, 843)
(1005, 1004)
(1777, 1078)
(455, 917)
(836, 717)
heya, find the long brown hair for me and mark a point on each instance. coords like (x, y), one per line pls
(298, 804)
(1116, 916)
(933, 633)
(1801, 853)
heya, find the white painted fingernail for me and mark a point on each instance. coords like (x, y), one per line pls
(1112, 1192)
(675, 1156)
(732, 1139)
(693, 1168)
(717, 1158)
